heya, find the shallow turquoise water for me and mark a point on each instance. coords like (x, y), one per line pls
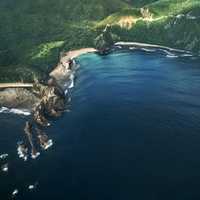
(133, 133)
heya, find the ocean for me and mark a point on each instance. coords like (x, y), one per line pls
(132, 132)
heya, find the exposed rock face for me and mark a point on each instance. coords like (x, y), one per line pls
(45, 101)
(38, 115)
(146, 14)
(42, 100)
(105, 41)
(18, 98)
(50, 96)
(50, 102)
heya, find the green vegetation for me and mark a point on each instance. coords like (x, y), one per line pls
(30, 32)
(33, 33)
(173, 23)
(105, 40)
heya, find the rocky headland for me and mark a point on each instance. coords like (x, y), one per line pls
(43, 100)
(28, 98)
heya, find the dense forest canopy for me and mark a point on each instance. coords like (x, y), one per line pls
(32, 33)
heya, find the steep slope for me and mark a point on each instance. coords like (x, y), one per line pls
(165, 22)
(33, 33)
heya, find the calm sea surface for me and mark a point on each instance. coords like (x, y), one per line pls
(133, 133)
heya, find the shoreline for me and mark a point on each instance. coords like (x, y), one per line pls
(15, 97)
(62, 68)
(62, 73)
(146, 45)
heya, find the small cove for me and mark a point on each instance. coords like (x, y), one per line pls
(133, 133)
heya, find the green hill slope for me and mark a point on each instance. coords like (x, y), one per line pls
(32, 33)
(166, 22)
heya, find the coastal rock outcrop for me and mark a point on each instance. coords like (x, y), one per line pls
(44, 100)
(105, 41)
(18, 98)
(52, 102)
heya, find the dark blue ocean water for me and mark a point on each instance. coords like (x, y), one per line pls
(133, 133)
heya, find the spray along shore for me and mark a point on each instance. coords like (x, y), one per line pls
(48, 99)
(25, 96)
(43, 100)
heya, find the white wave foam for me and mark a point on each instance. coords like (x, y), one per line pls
(186, 55)
(15, 192)
(15, 111)
(31, 187)
(71, 81)
(167, 52)
(4, 167)
(3, 109)
(148, 50)
(171, 56)
(3, 156)
(48, 144)
(66, 91)
(35, 155)
(22, 150)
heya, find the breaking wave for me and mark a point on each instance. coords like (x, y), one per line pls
(69, 84)
(172, 56)
(15, 111)
(169, 53)
(186, 55)
(71, 81)
(148, 49)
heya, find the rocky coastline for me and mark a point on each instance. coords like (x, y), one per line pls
(49, 99)
(28, 98)
(43, 100)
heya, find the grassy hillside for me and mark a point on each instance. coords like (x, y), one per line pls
(33, 33)
(174, 23)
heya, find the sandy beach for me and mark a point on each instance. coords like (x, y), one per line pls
(61, 73)
(15, 95)
(62, 69)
